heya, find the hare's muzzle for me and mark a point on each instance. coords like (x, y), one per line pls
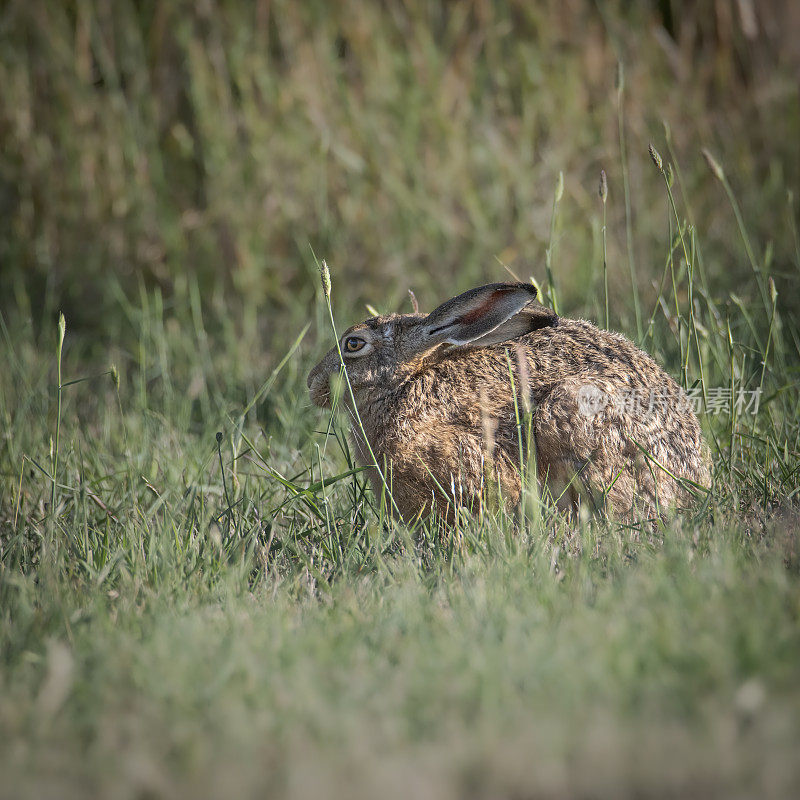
(318, 383)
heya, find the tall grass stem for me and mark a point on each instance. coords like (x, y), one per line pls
(626, 186)
(551, 286)
(62, 329)
(325, 278)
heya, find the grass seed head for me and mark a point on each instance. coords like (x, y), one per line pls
(713, 165)
(654, 154)
(325, 277)
(559, 186)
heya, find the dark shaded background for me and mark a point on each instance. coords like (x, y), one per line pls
(204, 148)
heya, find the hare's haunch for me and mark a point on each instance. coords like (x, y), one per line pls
(434, 395)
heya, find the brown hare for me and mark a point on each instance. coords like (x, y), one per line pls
(434, 395)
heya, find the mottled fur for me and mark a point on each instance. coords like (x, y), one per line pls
(440, 413)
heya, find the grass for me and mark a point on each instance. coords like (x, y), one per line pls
(199, 595)
(505, 675)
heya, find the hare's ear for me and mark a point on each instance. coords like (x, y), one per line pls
(484, 316)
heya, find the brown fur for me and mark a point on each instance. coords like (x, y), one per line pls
(441, 418)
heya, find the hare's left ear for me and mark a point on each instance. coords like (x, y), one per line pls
(487, 315)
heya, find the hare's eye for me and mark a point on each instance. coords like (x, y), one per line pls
(352, 344)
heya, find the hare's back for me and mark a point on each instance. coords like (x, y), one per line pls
(577, 348)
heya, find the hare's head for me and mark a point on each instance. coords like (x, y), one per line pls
(380, 352)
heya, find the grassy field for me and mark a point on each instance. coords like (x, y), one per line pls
(199, 596)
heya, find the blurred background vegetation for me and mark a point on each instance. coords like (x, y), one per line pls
(198, 151)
